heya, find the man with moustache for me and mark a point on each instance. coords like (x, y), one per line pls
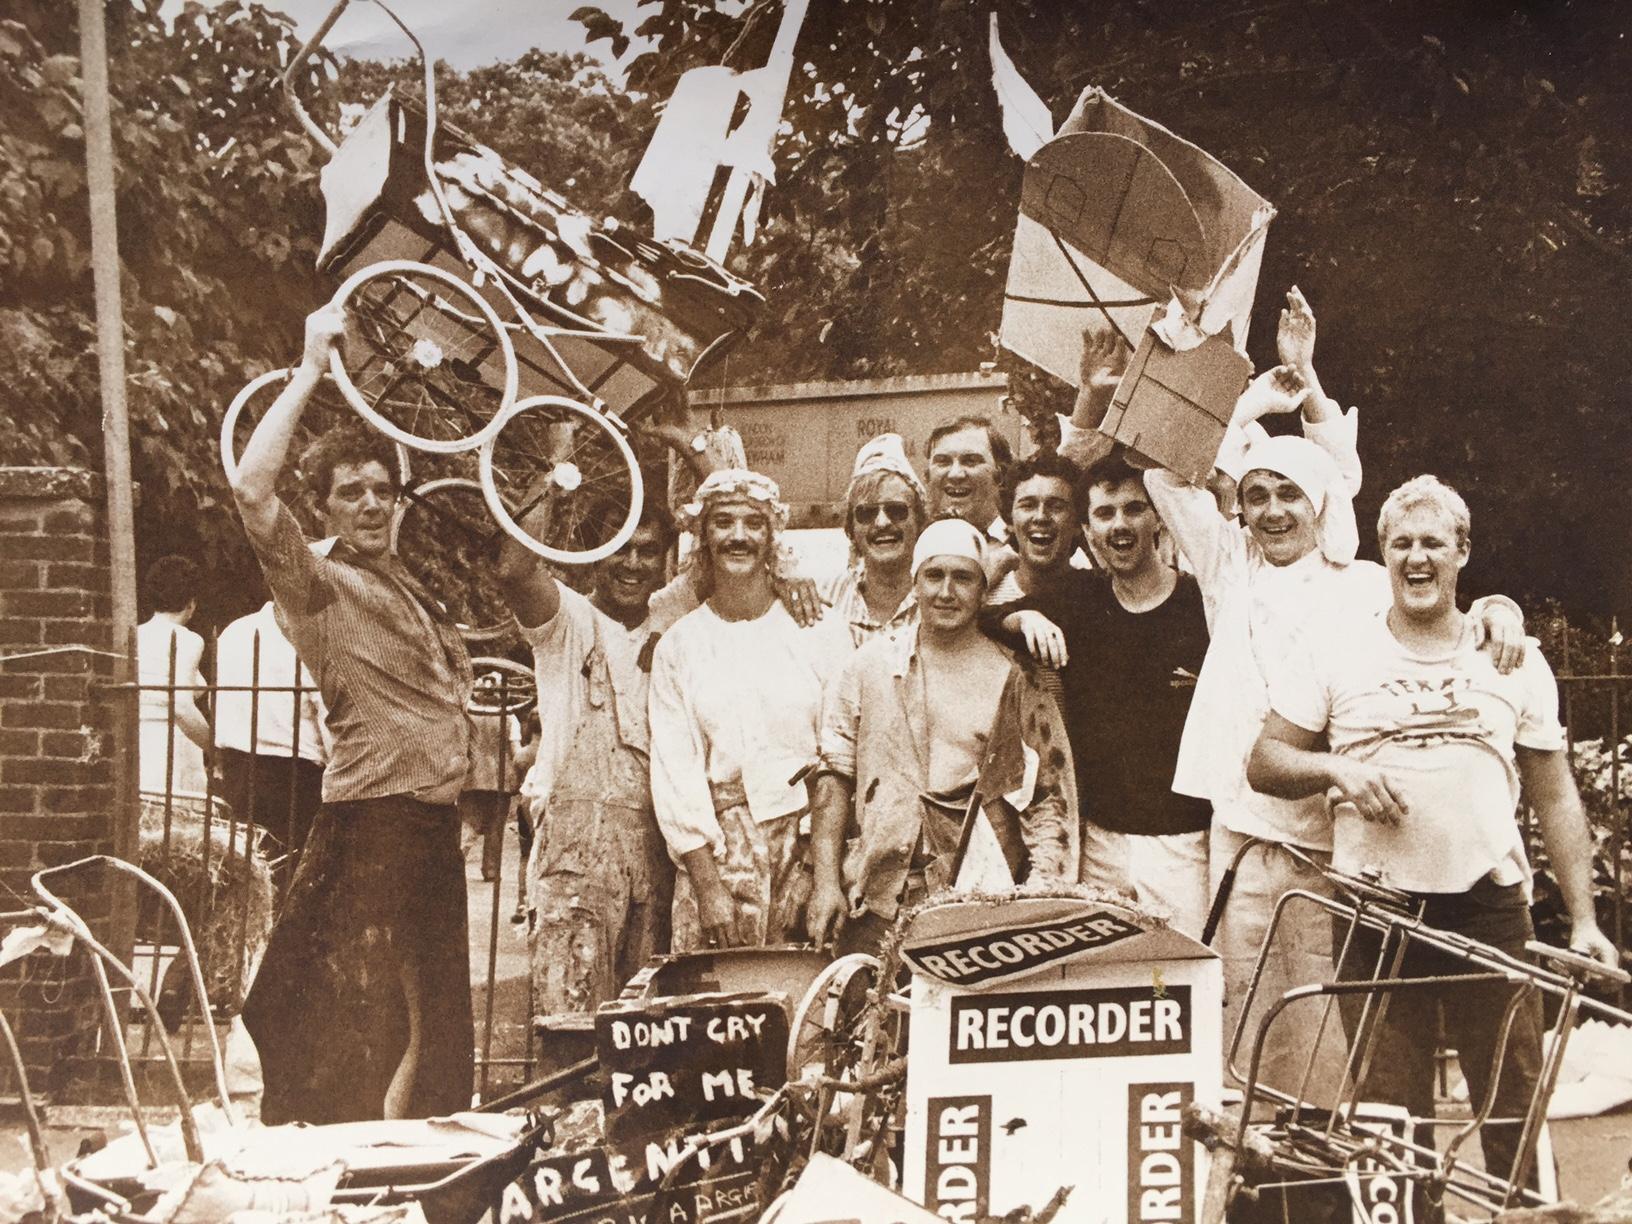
(1421, 743)
(1128, 644)
(883, 514)
(913, 728)
(600, 878)
(361, 1007)
(735, 704)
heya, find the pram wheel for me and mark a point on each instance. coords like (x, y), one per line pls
(424, 359)
(570, 476)
(324, 410)
(443, 534)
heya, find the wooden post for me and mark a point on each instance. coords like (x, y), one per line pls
(110, 330)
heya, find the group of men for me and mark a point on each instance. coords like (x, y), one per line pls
(1136, 682)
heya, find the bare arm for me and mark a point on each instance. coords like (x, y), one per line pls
(256, 485)
(1287, 761)
(528, 587)
(831, 805)
(1551, 792)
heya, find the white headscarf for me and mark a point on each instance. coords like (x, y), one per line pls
(1312, 470)
(885, 453)
(733, 484)
(949, 537)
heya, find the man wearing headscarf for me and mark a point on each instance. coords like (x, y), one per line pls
(914, 729)
(883, 514)
(735, 703)
(1289, 561)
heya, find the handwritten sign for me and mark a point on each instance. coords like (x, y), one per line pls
(689, 1060)
(639, 1183)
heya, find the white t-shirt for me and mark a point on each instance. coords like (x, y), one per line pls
(560, 648)
(279, 713)
(1444, 727)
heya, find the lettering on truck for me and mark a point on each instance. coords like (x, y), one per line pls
(1161, 1161)
(1060, 1024)
(957, 1167)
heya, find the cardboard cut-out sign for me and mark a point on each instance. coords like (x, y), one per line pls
(1119, 218)
(1174, 407)
(641, 1182)
(688, 1061)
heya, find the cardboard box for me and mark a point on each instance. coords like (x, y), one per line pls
(1118, 217)
(1173, 407)
(1055, 1042)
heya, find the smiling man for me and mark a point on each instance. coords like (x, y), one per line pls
(361, 1008)
(600, 881)
(883, 514)
(1128, 644)
(914, 727)
(1289, 562)
(1422, 745)
(967, 461)
(735, 704)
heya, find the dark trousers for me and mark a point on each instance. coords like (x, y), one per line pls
(374, 916)
(1402, 1064)
(280, 794)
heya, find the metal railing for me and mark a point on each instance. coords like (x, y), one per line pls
(229, 847)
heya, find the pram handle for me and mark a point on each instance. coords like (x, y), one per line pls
(1573, 962)
(318, 136)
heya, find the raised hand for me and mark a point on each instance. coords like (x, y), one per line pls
(1104, 358)
(1295, 341)
(1278, 390)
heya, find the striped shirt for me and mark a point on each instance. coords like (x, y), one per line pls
(392, 668)
(844, 594)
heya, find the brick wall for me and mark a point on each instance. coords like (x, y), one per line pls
(56, 741)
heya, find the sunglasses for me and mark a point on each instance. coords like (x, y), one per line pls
(867, 512)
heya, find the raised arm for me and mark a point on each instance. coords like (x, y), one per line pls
(528, 587)
(255, 487)
(1324, 421)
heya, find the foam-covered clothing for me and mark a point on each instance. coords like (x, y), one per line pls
(599, 880)
(1444, 726)
(735, 705)
(1254, 609)
(389, 662)
(561, 649)
(876, 732)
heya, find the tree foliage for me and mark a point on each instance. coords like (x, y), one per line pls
(1455, 198)
(219, 221)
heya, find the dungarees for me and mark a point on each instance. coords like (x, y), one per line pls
(604, 881)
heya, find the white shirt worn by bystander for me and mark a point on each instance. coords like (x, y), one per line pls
(252, 651)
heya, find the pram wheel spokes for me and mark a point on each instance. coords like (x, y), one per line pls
(562, 479)
(425, 358)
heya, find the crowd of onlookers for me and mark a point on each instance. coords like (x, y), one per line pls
(1112, 677)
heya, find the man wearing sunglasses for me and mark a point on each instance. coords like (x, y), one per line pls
(883, 514)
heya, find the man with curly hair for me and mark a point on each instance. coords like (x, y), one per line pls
(361, 1008)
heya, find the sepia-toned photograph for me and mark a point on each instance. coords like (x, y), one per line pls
(815, 611)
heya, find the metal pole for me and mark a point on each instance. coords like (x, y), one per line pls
(99, 177)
